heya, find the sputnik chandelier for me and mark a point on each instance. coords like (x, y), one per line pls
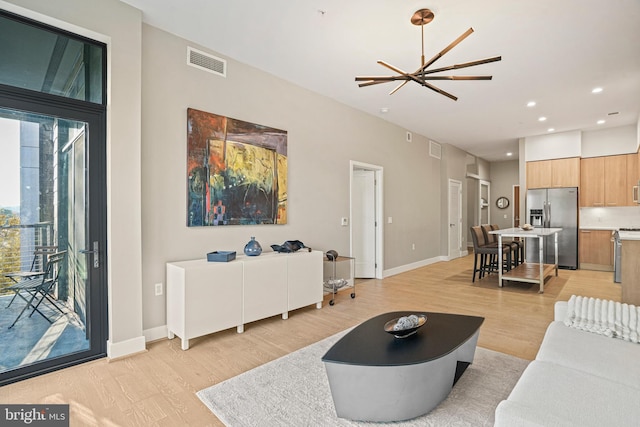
(422, 74)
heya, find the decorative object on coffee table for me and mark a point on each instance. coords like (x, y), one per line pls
(405, 326)
(253, 248)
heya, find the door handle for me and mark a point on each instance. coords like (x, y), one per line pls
(95, 252)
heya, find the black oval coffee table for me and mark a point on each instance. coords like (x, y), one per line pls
(375, 376)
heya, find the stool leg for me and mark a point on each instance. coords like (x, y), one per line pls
(475, 267)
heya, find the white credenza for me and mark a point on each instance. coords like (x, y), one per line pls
(205, 297)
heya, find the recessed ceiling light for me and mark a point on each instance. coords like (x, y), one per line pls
(509, 154)
(531, 104)
(596, 90)
(601, 122)
(542, 119)
(384, 110)
(550, 130)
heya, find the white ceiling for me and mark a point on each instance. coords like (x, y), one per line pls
(553, 52)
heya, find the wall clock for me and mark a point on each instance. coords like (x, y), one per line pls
(502, 203)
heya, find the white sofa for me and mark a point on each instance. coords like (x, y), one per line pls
(578, 378)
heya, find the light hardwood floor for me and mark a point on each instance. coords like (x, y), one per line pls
(158, 386)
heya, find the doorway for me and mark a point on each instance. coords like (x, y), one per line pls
(46, 210)
(484, 213)
(516, 206)
(455, 219)
(53, 283)
(366, 219)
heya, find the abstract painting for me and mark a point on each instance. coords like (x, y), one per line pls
(236, 172)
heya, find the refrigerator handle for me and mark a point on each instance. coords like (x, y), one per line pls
(547, 216)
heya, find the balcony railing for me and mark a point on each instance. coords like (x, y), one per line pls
(18, 244)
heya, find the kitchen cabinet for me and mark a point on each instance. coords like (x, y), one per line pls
(633, 176)
(539, 174)
(615, 178)
(598, 171)
(631, 272)
(592, 182)
(596, 250)
(565, 172)
(554, 173)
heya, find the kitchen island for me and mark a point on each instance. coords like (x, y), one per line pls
(528, 272)
(630, 278)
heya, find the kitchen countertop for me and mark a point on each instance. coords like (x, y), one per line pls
(588, 227)
(519, 232)
(629, 235)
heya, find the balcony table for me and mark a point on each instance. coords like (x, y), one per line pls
(528, 272)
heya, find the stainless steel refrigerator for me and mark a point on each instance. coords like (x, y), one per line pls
(554, 208)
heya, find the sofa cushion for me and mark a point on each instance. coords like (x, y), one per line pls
(576, 397)
(514, 414)
(595, 354)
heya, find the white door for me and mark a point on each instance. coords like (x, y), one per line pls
(363, 223)
(455, 219)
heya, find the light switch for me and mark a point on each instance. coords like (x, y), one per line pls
(389, 220)
(345, 220)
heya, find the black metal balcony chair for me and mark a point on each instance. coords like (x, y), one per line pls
(38, 265)
(39, 288)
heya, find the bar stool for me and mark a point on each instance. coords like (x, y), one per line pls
(487, 254)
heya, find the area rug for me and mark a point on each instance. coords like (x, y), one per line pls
(294, 391)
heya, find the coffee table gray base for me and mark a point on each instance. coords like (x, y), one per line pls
(395, 393)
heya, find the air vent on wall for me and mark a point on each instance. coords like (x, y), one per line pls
(204, 61)
(435, 149)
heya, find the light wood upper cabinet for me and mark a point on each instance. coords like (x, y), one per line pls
(592, 182)
(565, 172)
(554, 173)
(633, 176)
(615, 180)
(608, 181)
(539, 174)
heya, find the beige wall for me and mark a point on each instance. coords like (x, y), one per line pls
(323, 136)
(504, 175)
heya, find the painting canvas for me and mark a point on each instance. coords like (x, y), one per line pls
(236, 172)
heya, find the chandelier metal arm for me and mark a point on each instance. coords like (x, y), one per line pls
(447, 49)
(458, 77)
(399, 87)
(463, 65)
(440, 91)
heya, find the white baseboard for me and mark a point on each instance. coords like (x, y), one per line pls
(412, 266)
(155, 334)
(125, 348)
